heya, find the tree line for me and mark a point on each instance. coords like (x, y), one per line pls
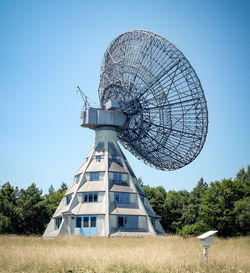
(222, 205)
(27, 211)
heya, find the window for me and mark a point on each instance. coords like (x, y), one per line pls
(94, 176)
(78, 222)
(98, 158)
(77, 178)
(122, 197)
(58, 222)
(127, 221)
(122, 221)
(86, 221)
(113, 157)
(118, 176)
(85, 197)
(68, 199)
(90, 197)
(93, 221)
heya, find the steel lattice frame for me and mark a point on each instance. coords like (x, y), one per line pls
(161, 94)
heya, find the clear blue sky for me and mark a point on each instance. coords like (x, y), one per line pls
(47, 48)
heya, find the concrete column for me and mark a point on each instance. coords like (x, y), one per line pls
(106, 134)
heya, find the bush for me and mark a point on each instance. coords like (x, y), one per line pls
(194, 229)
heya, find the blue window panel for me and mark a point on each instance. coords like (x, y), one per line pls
(58, 222)
(85, 197)
(121, 221)
(127, 222)
(117, 176)
(77, 178)
(87, 224)
(86, 221)
(126, 197)
(68, 199)
(78, 222)
(90, 197)
(132, 222)
(93, 221)
(98, 157)
(94, 176)
(113, 157)
(122, 197)
(117, 197)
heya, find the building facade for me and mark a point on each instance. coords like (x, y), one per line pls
(104, 198)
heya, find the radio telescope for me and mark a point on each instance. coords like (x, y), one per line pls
(152, 102)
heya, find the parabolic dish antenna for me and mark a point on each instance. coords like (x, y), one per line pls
(161, 95)
(151, 100)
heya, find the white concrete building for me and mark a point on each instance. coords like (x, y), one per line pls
(104, 198)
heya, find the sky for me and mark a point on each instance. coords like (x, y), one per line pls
(47, 48)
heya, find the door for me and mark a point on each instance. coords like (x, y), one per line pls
(89, 225)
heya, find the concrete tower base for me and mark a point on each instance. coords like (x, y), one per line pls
(104, 198)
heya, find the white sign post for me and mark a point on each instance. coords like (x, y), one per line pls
(206, 240)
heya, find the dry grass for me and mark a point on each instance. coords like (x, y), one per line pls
(137, 255)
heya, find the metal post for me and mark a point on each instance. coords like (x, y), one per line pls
(205, 251)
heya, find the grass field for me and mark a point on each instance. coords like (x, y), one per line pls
(148, 254)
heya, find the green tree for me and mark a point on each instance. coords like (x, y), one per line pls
(174, 206)
(63, 187)
(5, 224)
(31, 210)
(242, 215)
(156, 197)
(217, 205)
(51, 189)
(244, 175)
(198, 191)
(8, 212)
(191, 212)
